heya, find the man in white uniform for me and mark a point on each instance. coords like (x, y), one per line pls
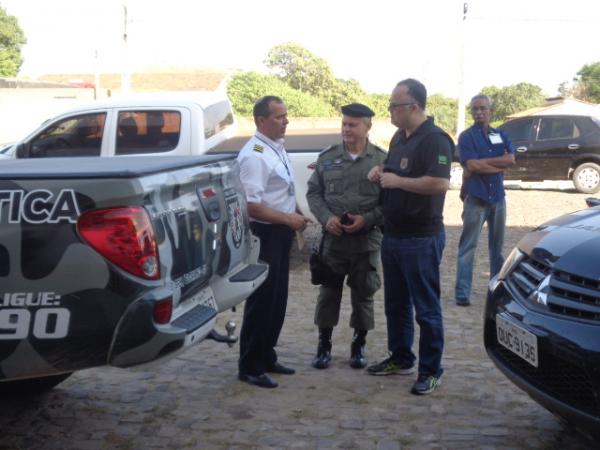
(268, 181)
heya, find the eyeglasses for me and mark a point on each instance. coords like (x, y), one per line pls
(393, 105)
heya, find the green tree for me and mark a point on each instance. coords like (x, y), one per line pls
(379, 104)
(244, 88)
(12, 39)
(346, 91)
(301, 69)
(587, 83)
(444, 110)
(306, 72)
(512, 99)
(565, 89)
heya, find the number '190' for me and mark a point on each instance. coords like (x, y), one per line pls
(45, 323)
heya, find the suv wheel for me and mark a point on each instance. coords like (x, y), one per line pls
(586, 178)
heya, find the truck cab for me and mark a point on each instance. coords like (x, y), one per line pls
(141, 125)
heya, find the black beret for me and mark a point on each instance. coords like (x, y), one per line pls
(357, 110)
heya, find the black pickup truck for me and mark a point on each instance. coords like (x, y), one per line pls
(118, 262)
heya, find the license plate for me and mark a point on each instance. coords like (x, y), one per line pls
(205, 297)
(518, 340)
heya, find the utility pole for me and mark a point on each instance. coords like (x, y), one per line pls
(460, 120)
(96, 76)
(125, 75)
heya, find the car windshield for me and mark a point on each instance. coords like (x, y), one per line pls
(4, 148)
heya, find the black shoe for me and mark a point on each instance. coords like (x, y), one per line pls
(323, 357)
(263, 380)
(281, 369)
(358, 360)
(322, 360)
(463, 302)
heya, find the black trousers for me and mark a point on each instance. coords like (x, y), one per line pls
(264, 311)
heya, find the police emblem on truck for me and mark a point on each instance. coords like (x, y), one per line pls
(236, 220)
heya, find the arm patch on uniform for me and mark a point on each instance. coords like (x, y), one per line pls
(258, 148)
(443, 159)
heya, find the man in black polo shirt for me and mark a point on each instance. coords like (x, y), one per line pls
(414, 178)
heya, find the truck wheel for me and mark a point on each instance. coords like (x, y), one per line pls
(456, 173)
(32, 385)
(586, 178)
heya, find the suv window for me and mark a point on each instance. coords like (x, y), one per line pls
(217, 117)
(518, 130)
(557, 128)
(75, 136)
(147, 132)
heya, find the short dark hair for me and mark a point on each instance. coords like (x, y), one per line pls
(416, 90)
(262, 106)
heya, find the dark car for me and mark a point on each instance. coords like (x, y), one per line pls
(542, 317)
(556, 147)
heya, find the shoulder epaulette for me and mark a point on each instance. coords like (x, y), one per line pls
(325, 150)
(258, 148)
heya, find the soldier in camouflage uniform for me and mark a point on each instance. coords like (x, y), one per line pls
(348, 206)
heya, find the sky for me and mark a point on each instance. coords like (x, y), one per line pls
(376, 42)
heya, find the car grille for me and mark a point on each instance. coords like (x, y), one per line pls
(557, 377)
(562, 292)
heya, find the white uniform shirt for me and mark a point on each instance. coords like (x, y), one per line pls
(266, 174)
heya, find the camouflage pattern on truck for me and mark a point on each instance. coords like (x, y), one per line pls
(67, 303)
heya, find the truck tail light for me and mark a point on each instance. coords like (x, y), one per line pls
(163, 310)
(125, 237)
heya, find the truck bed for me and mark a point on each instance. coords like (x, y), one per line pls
(97, 167)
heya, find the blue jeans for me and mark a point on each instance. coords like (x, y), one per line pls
(412, 280)
(475, 213)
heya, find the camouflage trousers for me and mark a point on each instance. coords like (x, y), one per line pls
(360, 272)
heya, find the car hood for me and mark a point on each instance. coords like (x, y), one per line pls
(570, 243)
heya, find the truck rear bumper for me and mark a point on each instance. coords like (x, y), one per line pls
(234, 289)
(139, 340)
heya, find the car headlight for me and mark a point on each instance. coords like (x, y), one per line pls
(512, 261)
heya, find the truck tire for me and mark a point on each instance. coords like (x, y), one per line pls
(32, 386)
(456, 173)
(586, 178)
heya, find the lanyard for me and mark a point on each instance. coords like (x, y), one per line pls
(278, 156)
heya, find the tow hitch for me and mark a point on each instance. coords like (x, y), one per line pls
(230, 339)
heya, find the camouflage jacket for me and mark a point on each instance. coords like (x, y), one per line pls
(339, 184)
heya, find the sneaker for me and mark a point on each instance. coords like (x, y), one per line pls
(426, 384)
(463, 302)
(390, 367)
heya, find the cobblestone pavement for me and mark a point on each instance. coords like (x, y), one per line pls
(195, 400)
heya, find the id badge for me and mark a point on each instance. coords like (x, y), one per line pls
(495, 138)
(291, 190)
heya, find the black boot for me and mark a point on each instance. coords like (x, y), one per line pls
(358, 360)
(323, 357)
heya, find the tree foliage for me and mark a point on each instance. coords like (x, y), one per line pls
(301, 69)
(245, 88)
(379, 104)
(306, 83)
(344, 92)
(514, 98)
(444, 110)
(12, 39)
(587, 83)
